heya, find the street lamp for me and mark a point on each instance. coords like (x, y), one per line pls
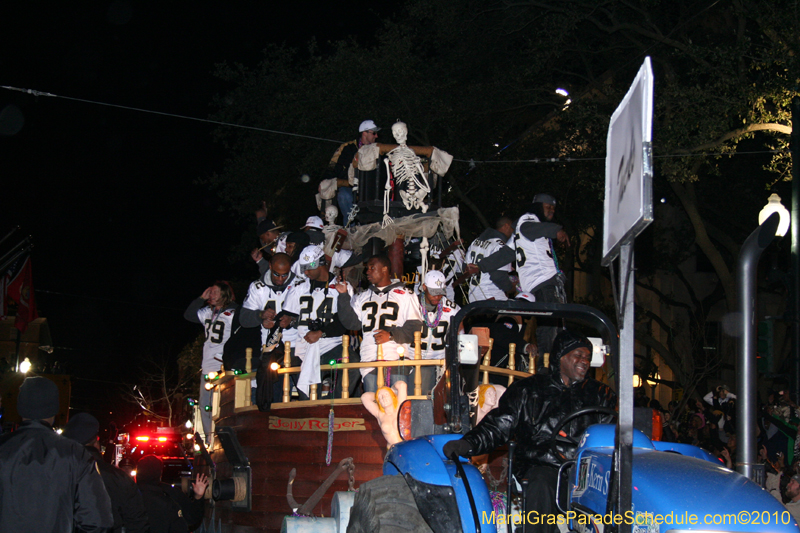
(774, 205)
(746, 275)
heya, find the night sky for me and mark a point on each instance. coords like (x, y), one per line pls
(124, 235)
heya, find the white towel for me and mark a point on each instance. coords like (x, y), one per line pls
(309, 370)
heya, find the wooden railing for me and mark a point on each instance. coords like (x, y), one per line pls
(243, 400)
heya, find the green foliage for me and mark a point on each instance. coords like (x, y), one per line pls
(477, 79)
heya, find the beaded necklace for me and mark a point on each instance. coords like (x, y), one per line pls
(435, 323)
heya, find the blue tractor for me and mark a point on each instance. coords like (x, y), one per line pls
(672, 487)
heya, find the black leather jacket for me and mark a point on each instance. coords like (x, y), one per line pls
(531, 409)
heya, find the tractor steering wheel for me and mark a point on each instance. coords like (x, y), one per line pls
(571, 441)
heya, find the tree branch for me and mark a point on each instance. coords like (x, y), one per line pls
(751, 128)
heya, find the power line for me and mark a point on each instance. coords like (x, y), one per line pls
(208, 121)
(471, 162)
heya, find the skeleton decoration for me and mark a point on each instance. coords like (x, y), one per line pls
(404, 167)
(331, 212)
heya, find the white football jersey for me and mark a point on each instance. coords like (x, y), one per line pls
(536, 260)
(450, 268)
(218, 326)
(313, 305)
(480, 285)
(433, 337)
(377, 311)
(261, 296)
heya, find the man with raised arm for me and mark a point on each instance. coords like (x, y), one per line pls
(537, 262)
(215, 310)
(489, 261)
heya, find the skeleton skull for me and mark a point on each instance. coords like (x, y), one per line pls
(400, 132)
(331, 212)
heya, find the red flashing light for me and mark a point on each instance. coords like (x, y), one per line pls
(162, 439)
(143, 438)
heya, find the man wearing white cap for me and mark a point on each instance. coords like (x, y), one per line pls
(313, 304)
(437, 312)
(340, 168)
(313, 228)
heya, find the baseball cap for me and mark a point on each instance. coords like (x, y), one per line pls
(526, 296)
(435, 283)
(311, 257)
(267, 225)
(314, 222)
(544, 199)
(368, 125)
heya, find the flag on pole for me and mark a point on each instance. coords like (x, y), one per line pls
(16, 286)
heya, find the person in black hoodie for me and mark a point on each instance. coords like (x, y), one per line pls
(531, 410)
(168, 509)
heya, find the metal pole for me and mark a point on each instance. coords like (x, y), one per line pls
(19, 338)
(746, 374)
(624, 451)
(9, 234)
(794, 289)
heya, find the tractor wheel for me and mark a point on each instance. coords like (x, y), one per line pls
(385, 505)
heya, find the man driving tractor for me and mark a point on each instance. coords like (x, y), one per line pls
(531, 411)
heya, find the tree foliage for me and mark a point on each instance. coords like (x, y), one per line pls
(478, 80)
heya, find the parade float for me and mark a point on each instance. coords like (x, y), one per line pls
(289, 457)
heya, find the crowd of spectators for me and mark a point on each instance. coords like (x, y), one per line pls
(711, 424)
